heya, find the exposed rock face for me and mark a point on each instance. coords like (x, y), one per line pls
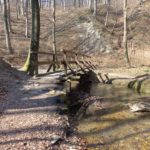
(95, 42)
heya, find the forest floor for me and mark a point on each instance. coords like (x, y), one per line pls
(29, 113)
(29, 107)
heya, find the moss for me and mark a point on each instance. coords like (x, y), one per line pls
(139, 86)
(26, 65)
(145, 86)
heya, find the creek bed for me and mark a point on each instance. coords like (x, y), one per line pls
(113, 126)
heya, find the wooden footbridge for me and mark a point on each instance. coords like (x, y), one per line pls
(71, 63)
(67, 61)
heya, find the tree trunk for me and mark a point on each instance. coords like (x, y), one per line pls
(22, 7)
(54, 35)
(125, 41)
(17, 9)
(116, 19)
(40, 3)
(34, 47)
(107, 14)
(1, 7)
(9, 16)
(63, 4)
(95, 8)
(74, 3)
(79, 3)
(26, 18)
(5, 15)
(90, 4)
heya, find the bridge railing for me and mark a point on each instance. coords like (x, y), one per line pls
(66, 60)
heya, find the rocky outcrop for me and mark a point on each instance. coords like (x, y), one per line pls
(95, 41)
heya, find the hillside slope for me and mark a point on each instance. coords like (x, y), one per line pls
(78, 30)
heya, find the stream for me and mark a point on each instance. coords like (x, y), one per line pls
(113, 126)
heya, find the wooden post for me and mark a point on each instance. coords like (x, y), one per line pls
(78, 63)
(84, 63)
(64, 61)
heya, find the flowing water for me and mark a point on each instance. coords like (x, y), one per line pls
(114, 126)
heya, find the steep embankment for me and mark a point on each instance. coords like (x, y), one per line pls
(84, 32)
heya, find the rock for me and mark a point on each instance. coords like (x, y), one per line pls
(96, 39)
(56, 139)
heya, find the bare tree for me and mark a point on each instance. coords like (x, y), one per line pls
(107, 14)
(34, 47)
(26, 18)
(75, 3)
(31, 65)
(125, 41)
(5, 15)
(22, 7)
(54, 34)
(90, 4)
(1, 7)
(9, 16)
(17, 9)
(95, 8)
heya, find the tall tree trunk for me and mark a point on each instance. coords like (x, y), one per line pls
(54, 34)
(40, 3)
(125, 41)
(116, 19)
(17, 11)
(34, 47)
(22, 7)
(9, 16)
(90, 4)
(107, 14)
(26, 18)
(63, 4)
(79, 3)
(74, 3)
(95, 8)
(5, 15)
(1, 7)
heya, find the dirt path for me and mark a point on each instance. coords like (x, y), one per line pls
(30, 113)
(29, 117)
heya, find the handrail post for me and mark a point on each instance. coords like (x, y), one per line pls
(54, 61)
(64, 62)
